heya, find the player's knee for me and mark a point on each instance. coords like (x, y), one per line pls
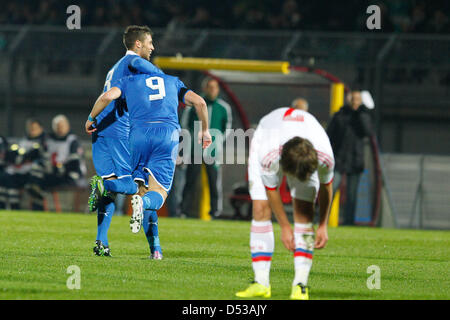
(261, 210)
(303, 210)
(142, 189)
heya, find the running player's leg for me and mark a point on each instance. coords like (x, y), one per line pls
(150, 224)
(120, 155)
(140, 152)
(150, 216)
(157, 173)
(158, 164)
(105, 168)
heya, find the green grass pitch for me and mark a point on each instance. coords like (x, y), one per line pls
(209, 260)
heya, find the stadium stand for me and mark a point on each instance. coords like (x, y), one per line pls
(399, 16)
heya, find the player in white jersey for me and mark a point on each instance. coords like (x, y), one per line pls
(288, 142)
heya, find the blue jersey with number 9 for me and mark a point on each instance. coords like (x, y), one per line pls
(152, 98)
(113, 121)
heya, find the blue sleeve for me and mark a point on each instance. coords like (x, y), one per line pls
(181, 90)
(180, 84)
(122, 85)
(143, 66)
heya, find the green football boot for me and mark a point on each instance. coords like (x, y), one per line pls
(95, 194)
(101, 250)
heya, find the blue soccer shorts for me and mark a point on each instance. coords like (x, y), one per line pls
(111, 157)
(154, 150)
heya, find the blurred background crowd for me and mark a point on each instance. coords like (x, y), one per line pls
(48, 69)
(408, 16)
(39, 162)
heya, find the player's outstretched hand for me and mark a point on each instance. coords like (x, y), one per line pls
(321, 237)
(287, 237)
(88, 127)
(205, 139)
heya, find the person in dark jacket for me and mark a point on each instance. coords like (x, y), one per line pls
(17, 158)
(346, 131)
(64, 165)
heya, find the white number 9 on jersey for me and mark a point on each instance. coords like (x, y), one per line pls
(159, 86)
(107, 85)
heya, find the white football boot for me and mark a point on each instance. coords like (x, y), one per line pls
(138, 213)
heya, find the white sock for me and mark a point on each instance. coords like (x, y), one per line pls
(304, 249)
(261, 248)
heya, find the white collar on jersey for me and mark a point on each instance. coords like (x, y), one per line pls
(130, 52)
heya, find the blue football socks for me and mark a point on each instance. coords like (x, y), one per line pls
(104, 215)
(153, 200)
(150, 225)
(124, 185)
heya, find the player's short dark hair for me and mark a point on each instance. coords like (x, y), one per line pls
(133, 33)
(299, 158)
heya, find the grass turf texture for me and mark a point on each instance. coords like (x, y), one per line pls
(209, 260)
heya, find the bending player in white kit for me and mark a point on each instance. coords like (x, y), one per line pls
(288, 142)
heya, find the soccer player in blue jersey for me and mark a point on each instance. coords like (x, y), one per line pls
(152, 102)
(110, 152)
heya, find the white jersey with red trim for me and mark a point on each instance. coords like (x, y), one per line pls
(281, 125)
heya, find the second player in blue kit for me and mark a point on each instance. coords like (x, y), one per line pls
(154, 129)
(152, 102)
(110, 152)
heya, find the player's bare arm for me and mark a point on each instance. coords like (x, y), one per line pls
(193, 99)
(287, 234)
(102, 101)
(325, 198)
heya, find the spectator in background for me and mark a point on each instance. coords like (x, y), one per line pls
(291, 18)
(19, 160)
(399, 12)
(439, 23)
(254, 18)
(220, 119)
(397, 15)
(201, 18)
(64, 164)
(418, 19)
(346, 131)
